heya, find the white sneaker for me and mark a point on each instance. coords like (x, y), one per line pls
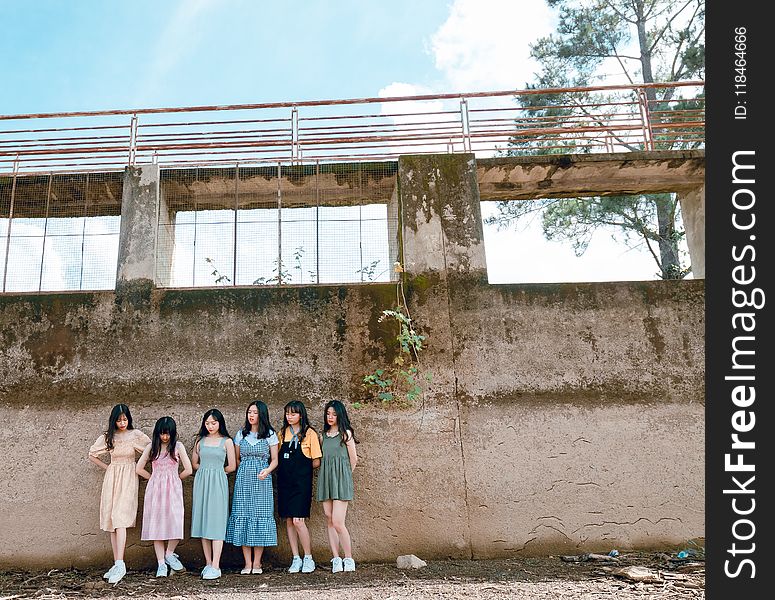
(161, 570)
(211, 573)
(118, 573)
(173, 560)
(336, 565)
(308, 565)
(109, 572)
(349, 564)
(295, 565)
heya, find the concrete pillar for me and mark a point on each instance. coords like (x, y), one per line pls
(693, 213)
(139, 221)
(442, 217)
(394, 239)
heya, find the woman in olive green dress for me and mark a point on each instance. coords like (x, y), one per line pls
(335, 481)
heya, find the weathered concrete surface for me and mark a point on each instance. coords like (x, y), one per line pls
(570, 175)
(343, 184)
(438, 480)
(585, 399)
(68, 358)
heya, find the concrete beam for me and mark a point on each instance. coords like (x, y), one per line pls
(568, 176)
(344, 184)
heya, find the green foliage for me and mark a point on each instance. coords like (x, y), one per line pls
(643, 41)
(369, 271)
(220, 278)
(399, 383)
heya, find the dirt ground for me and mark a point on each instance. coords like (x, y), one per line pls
(550, 577)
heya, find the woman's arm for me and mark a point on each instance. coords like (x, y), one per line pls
(195, 456)
(231, 461)
(142, 461)
(273, 461)
(98, 462)
(183, 458)
(351, 453)
(237, 457)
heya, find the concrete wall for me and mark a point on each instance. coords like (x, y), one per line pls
(559, 418)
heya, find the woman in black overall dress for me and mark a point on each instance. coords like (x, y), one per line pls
(299, 455)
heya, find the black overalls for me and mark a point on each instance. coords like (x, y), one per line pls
(294, 480)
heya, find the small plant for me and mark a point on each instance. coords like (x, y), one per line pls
(400, 382)
(220, 278)
(369, 271)
(280, 274)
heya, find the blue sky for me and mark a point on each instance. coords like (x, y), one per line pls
(89, 55)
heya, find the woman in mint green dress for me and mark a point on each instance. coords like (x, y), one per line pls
(335, 481)
(210, 503)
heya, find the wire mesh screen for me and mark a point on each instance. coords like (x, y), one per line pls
(281, 224)
(60, 232)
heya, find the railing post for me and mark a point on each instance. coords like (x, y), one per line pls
(295, 150)
(132, 141)
(10, 219)
(465, 125)
(645, 117)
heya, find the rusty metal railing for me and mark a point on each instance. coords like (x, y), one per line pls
(592, 119)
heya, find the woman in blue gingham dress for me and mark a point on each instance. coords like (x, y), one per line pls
(251, 522)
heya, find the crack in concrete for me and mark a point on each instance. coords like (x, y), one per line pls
(458, 419)
(604, 523)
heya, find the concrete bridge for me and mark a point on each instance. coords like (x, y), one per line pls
(560, 417)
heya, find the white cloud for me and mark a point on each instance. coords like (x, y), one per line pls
(484, 44)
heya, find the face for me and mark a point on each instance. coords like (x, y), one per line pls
(253, 415)
(292, 418)
(331, 416)
(165, 437)
(122, 422)
(211, 424)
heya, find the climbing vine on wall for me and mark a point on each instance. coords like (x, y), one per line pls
(400, 382)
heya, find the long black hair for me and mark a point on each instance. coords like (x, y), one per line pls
(218, 416)
(118, 410)
(264, 427)
(342, 421)
(164, 425)
(296, 406)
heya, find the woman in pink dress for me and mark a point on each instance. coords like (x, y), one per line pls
(163, 506)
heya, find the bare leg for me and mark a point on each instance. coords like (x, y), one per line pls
(293, 538)
(303, 533)
(247, 554)
(339, 513)
(217, 549)
(120, 542)
(171, 545)
(207, 549)
(158, 548)
(333, 537)
(258, 552)
(113, 545)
